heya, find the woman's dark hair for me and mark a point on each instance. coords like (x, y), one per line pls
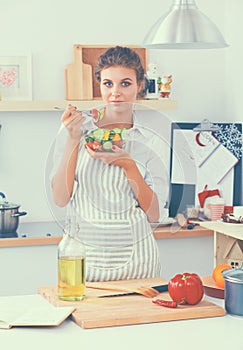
(121, 56)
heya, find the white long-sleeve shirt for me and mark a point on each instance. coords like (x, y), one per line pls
(151, 137)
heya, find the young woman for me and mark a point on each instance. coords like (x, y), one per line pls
(113, 196)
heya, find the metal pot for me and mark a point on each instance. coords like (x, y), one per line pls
(9, 217)
(233, 291)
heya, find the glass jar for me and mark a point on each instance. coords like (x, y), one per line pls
(71, 268)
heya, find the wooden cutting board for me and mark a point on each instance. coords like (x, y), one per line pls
(211, 289)
(78, 77)
(96, 312)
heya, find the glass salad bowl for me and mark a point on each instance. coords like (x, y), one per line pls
(102, 140)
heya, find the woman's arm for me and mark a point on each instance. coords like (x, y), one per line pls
(63, 180)
(146, 197)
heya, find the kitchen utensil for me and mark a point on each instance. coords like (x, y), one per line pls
(165, 222)
(234, 291)
(181, 220)
(78, 77)
(191, 225)
(9, 217)
(162, 288)
(89, 115)
(148, 292)
(185, 223)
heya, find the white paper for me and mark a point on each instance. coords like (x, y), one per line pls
(183, 160)
(30, 310)
(199, 155)
(40, 316)
(220, 162)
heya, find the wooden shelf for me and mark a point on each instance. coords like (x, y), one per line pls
(30, 106)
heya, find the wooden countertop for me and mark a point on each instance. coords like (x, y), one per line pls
(175, 232)
(29, 241)
(229, 229)
(159, 233)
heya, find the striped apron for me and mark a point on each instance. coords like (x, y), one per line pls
(114, 229)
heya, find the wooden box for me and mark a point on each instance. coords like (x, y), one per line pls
(229, 249)
(90, 56)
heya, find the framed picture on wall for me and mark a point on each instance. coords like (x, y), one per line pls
(15, 77)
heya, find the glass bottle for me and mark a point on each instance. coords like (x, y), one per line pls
(71, 268)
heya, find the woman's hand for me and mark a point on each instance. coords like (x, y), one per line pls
(73, 121)
(118, 157)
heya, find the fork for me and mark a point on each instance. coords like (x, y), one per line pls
(148, 292)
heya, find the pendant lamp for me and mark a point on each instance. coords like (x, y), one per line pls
(184, 26)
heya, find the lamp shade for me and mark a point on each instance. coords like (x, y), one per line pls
(184, 26)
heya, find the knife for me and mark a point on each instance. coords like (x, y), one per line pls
(161, 288)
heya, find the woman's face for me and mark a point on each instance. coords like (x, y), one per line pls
(118, 86)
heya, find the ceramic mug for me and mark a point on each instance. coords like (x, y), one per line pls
(216, 211)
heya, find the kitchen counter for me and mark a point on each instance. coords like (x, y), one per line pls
(174, 232)
(231, 229)
(222, 333)
(159, 233)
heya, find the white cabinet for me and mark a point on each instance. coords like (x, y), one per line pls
(24, 269)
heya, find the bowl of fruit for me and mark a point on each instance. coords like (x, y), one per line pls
(102, 140)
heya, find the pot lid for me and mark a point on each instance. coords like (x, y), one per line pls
(4, 204)
(234, 275)
(8, 205)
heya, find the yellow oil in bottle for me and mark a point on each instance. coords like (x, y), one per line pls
(71, 278)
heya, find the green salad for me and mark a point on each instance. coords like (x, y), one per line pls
(103, 139)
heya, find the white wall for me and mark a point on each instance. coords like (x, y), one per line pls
(48, 29)
(234, 59)
(25, 141)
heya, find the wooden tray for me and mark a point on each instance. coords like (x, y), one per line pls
(96, 312)
(211, 289)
